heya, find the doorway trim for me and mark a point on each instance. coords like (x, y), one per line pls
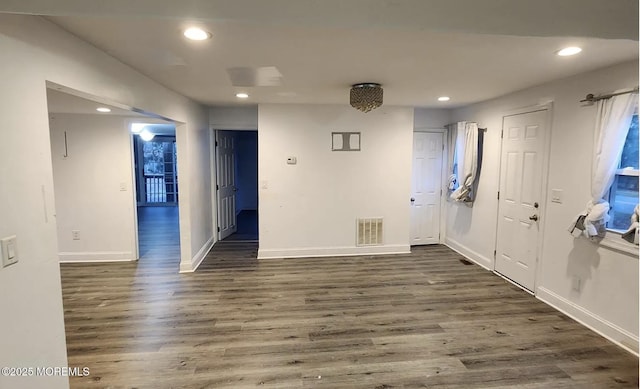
(548, 107)
(182, 210)
(443, 181)
(214, 176)
(134, 191)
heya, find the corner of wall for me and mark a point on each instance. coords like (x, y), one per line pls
(192, 265)
(465, 251)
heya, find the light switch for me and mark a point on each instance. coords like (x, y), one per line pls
(9, 251)
(292, 160)
(123, 187)
(556, 195)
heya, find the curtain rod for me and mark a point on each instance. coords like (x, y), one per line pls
(590, 98)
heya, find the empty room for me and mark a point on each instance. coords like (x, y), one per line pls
(319, 194)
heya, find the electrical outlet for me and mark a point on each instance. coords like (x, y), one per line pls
(9, 250)
(75, 235)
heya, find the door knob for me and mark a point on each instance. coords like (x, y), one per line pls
(534, 218)
(412, 199)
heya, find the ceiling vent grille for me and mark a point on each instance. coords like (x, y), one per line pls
(369, 232)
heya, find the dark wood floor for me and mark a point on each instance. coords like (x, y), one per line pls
(159, 233)
(424, 320)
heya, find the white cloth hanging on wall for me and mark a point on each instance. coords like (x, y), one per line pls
(455, 135)
(468, 160)
(631, 234)
(613, 118)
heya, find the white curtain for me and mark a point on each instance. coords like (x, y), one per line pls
(613, 119)
(455, 137)
(467, 157)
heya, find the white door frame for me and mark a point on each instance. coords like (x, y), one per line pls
(179, 126)
(214, 175)
(544, 188)
(443, 178)
(213, 164)
(134, 192)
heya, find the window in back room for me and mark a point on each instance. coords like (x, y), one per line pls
(623, 195)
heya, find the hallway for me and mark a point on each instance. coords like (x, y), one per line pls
(159, 234)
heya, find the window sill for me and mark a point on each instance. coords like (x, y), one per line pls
(613, 240)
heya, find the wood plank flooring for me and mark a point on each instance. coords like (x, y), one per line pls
(159, 233)
(424, 320)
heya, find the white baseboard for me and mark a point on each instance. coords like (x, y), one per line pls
(617, 335)
(198, 258)
(474, 256)
(96, 256)
(333, 251)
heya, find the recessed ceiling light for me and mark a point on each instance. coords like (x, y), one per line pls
(444, 98)
(569, 51)
(103, 109)
(196, 34)
(242, 95)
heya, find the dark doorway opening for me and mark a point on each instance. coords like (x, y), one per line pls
(245, 184)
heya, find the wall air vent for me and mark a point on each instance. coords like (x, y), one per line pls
(369, 232)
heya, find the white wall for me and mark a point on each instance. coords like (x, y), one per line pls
(234, 118)
(34, 51)
(431, 119)
(608, 301)
(196, 210)
(310, 209)
(87, 187)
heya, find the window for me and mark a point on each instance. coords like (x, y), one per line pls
(623, 195)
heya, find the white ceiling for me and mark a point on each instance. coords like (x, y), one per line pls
(471, 50)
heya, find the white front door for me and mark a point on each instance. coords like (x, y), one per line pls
(520, 196)
(226, 184)
(426, 188)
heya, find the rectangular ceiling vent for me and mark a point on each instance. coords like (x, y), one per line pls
(369, 232)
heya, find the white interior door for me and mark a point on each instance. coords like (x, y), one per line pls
(225, 180)
(426, 188)
(520, 196)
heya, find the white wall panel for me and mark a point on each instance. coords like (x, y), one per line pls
(313, 205)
